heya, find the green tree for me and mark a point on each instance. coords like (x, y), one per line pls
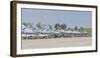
(44, 26)
(57, 26)
(75, 28)
(63, 26)
(30, 25)
(81, 29)
(89, 30)
(39, 25)
(33, 27)
(50, 27)
(25, 24)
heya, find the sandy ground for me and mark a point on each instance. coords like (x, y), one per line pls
(56, 42)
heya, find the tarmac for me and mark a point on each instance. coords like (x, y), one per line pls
(56, 42)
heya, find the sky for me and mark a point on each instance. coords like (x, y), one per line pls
(53, 16)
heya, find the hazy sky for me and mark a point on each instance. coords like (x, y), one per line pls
(69, 17)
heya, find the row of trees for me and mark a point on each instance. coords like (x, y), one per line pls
(44, 26)
(56, 27)
(60, 26)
